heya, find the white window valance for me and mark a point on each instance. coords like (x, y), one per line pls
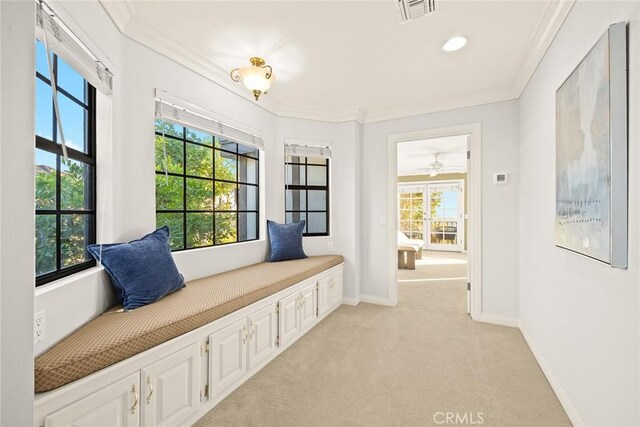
(167, 108)
(60, 39)
(307, 150)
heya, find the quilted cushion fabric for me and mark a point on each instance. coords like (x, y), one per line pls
(142, 271)
(285, 241)
(115, 336)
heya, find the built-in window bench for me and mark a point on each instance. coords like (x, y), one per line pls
(170, 362)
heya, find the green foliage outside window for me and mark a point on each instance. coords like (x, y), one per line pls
(197, 184)
(74, 177)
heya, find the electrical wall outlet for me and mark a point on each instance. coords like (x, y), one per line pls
(330, 246)
(38, 327)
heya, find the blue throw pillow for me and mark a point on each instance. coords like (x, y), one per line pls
(142, 271)
(285, 241)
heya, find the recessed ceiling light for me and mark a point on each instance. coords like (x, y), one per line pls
(454, 43)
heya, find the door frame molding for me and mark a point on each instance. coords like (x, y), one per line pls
(474, 235)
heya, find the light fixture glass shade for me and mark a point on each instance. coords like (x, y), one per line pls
(255, 78)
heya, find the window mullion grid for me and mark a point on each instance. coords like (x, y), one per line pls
(258, 197)
(62, 90)
(213, 200)
(326, 201)
(52, 146)
(306, 193)
(58, 169)
(237, 194)
(213, 173)
(184, 187)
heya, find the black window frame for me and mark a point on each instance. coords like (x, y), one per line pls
(184, 176)
(306, 187)
(89, 158)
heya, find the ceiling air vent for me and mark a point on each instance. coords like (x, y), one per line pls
(413, 9)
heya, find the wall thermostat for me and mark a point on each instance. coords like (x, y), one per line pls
(500, 178)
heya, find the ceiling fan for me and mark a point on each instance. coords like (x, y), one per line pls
(435, 167)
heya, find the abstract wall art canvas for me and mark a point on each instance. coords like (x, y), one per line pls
(591, 153)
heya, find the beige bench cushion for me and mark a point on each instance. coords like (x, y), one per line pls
(115, 336)
(409, 248)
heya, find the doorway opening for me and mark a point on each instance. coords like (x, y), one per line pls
(434, 205)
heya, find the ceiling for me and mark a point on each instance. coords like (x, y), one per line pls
(353, 60)
(415, 156)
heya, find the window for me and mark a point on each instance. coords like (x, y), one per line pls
(64, 188)
(412, 213)
(206, 187)
(307, 193)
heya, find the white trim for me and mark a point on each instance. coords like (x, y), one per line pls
(548, 26)
(474, 186)
(123, 14)
(351, 301)
(496, 319)
(333, 116)
(372, 299)
(120, 12)
(561, 394)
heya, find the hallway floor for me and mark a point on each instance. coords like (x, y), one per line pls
(406, 366)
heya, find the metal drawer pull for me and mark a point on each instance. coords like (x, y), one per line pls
(135, 399)
(150, 384)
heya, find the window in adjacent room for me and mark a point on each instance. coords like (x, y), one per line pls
(65, 189)
(207, 187)
(307, 188)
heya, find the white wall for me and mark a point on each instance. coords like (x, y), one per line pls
(344, 139)
(581, 315)
(499, 203)
(17, 26)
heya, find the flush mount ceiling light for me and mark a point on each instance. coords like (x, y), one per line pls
(257, 77)
(454, 43)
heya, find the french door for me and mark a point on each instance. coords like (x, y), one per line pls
(445, 219)
(412, 210)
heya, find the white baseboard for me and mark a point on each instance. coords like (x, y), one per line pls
(350, 300)
(563, 397)
(496, 319)
(372, 299)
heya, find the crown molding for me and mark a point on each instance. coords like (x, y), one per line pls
(120, 12)
(311, 113)
(454, 103)
(550, 22)
(123, 15)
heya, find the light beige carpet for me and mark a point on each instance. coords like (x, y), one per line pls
(376, 366)
(436, 265)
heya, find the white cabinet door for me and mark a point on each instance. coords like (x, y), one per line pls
(336, 287)
(117, 405)
(228, 355)
(308, 307)
(263, 331)
(171, 388)
(325, 297)
(289, 319)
